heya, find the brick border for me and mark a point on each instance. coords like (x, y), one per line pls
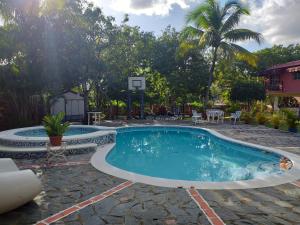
(296, 183)
(210, 214)
(62, 214)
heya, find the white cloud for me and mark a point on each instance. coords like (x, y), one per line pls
(147, 7)
(277, 20)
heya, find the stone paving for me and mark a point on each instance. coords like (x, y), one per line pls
(141, 204)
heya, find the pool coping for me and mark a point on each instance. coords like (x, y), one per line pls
(10, 135)
(98, 161)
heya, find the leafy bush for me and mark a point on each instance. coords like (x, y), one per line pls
(247, 91)
(54, 126)
(291, 119)
(233, 107)
(261, 118)
(247, 117)
(197, 106)
(258, 106)
(275, 120)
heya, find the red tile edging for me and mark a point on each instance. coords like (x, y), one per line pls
(296, 183)
(81, 205)
(211, 215)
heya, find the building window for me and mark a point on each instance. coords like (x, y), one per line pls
(297, 76)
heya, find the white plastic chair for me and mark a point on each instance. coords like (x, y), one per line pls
(220, 115)
(235, 116)
(197, 117)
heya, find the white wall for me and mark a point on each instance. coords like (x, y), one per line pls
(58, 106)
(71, 104)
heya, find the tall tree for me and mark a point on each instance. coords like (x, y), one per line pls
(215, 27)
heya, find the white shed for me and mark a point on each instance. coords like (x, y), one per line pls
(72, 104)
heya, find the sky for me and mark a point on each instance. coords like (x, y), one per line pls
(277, 20)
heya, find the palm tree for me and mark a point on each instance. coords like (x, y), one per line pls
(214, 27)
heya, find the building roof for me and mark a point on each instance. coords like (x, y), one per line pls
(281, 66)
(285, 65)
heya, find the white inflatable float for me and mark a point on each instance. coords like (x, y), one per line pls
(17, 187)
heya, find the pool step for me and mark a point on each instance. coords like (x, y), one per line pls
(37, 152)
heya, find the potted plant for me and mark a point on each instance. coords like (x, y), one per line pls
(55, 128)
(291, 120)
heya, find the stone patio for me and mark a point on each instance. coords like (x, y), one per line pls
(67, 185)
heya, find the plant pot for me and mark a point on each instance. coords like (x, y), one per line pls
(55, 141)
(293, 130)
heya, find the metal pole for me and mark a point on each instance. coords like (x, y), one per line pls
(129, 106)
(142, 105)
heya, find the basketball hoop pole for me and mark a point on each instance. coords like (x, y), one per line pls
(129, 105)
(136, 85)
(142, 105)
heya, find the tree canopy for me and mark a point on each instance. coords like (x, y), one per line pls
(214, 26)
(52, 46)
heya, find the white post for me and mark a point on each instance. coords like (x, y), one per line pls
(276, 108)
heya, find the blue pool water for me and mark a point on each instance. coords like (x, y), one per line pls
(189, 154)
(42, 133)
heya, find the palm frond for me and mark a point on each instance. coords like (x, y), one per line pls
(243, 35)
(199, 17)
(226, 50)
(206, 39)
(233, 19)
(244, 55)
(185, 47)
(196, 13)
(191, 33)
(229, 5)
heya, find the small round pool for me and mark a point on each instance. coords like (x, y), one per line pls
(29, 142)
(186, 156)
(40, 132)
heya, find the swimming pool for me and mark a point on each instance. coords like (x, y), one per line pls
(189, 154)
(185, 156)
(40, 132)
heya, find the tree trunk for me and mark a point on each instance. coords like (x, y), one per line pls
(211, 76)
(117, 111)
(86, 101)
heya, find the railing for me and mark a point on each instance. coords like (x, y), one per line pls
(274, 86)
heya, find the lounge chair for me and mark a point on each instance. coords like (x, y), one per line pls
(17, 187)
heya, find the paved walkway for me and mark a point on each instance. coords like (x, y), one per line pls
(77, 194)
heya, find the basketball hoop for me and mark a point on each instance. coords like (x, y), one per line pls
(136, 83)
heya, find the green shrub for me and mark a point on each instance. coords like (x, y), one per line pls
(291, 119)
(261, 118)
(233, 108)
(247, 117)
(259, 106)
(197, 106)
(247, 91)
(54, 126)
(275, 120)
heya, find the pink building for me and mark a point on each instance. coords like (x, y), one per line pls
(283, 80)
